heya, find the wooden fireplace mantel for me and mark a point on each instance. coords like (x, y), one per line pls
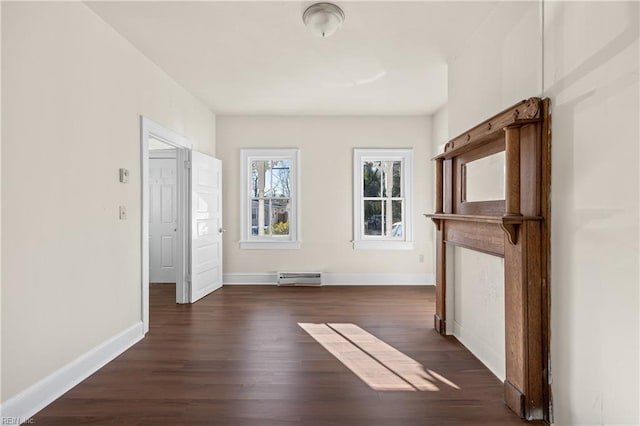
(516, 228)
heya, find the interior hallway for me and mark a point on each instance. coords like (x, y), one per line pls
(238, 357)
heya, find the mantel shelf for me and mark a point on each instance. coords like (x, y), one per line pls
(482, 218)
(508, 223)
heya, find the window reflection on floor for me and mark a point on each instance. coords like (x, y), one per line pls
(378, 364)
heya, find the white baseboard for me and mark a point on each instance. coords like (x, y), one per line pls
(377, 279)
(33, 399)
(331, 278)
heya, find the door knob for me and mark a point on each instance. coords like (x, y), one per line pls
(222, 230)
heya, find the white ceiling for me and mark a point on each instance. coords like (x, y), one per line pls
(389, 58)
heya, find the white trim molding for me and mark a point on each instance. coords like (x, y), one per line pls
(333, 278)
(33, 399)
(377, 279)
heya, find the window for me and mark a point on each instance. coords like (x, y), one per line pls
(382, 193)
(269, 200)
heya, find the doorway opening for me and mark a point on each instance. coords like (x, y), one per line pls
(165, 227)
(181, 216)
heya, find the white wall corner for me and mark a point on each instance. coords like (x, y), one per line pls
(335, 279)
(33, 399)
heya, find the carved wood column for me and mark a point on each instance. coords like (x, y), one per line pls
(439, 319)
(512, 177)
(523, 386)
(439, 188)
(512, 217)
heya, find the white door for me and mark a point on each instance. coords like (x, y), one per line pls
(206, 225)
(163, 212)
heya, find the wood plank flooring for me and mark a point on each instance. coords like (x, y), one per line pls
(238, 357)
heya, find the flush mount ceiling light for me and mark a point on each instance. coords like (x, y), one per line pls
(323, 19)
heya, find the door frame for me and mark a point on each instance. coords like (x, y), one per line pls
(149, 128)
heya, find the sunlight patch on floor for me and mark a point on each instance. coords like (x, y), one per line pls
(368, 369)
(379, 365)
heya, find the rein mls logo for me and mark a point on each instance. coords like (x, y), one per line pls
(17, 420)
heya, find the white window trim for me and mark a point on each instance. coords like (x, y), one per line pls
(362, 242)
(294, 241)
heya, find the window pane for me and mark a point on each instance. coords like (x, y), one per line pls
(386, 177)
(280, 178)
(270, 178)
(266, 226)
(280, 216)
(397, 228)
(396, 190)
(254, 180)
(372, 217)
(371, 176)
(254, 217)
(260, 217)
(391, 178)
(260, 178)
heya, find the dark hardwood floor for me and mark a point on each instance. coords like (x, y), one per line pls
(238, 357)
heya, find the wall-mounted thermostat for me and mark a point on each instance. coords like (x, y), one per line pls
(124, 175)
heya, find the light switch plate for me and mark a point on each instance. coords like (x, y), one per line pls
(124, 175)
(123, 212)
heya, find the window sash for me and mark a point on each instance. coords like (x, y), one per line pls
(266, 199)
(385, 224)
(271, 234)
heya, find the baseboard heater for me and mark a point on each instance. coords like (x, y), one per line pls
(300, 278)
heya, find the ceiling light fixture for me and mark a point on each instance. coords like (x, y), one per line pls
(323, 19)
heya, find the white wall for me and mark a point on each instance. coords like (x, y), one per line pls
(475, 314)
(439, 130)
(499, 66)
(591, 76)
(73, 91)
(326, 146)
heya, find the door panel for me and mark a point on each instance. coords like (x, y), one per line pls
(206, 225)
(163, 212)
(166, 251)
